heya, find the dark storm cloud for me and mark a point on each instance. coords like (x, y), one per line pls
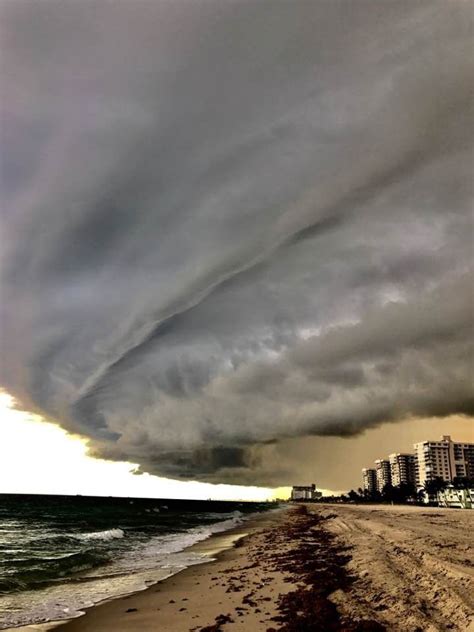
(226, 224)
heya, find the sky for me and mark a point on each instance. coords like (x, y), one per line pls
(37, 456)
(230, 233)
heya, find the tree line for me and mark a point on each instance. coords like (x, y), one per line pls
(407, 492)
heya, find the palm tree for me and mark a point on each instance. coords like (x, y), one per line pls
(463, 482)
(434, 486)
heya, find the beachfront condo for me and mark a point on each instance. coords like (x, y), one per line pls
(402, 468)
(383, 474)
(305, 492)
(443, 459)
(369, 480)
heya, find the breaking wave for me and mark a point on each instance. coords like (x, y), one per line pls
(108, 534)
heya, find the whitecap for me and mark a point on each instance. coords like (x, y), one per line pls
(108, 534)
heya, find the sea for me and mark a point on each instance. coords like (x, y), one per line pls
(62, 554)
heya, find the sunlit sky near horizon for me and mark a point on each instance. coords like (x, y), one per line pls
(39, 457)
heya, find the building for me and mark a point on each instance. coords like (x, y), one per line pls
(456, 498)
(443, 459)
(463, 460)
(382, 474)
(402, 468)
(305, 492)
(369, 480)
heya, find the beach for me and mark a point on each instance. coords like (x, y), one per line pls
(60, 556)
(314, 567)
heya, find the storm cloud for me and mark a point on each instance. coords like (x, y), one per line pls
(230, 224)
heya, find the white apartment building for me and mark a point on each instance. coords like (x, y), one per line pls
(382, 473)
(369, 480)
(402, 468)
(443, 459)
(305, 492)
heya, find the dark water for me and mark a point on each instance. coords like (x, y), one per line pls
(59, 554)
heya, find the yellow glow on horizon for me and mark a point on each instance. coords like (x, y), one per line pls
(281, 493)
(39, 457)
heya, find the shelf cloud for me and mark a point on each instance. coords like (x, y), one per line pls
(230, 224)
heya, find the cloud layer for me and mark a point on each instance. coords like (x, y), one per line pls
(227, 224)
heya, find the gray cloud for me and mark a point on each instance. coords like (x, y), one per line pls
(226, 225)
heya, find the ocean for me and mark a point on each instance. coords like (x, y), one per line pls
(61, 554)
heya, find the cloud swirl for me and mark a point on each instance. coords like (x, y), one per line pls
(229, 224)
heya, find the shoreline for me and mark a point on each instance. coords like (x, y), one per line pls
(276, 572)
(211, 548)
(220, 547)
(349, 568)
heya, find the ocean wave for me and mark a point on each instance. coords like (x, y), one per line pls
(58, 572)
(108, 534)
(163, 550)
(35, 572)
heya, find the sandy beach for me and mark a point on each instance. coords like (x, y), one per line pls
(317, 567)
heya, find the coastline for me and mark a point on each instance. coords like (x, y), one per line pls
(211, 549)
(220, 551)
(350, 568)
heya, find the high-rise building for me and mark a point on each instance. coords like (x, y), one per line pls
(382, 472)
(402, 468)
(369, 480)
(443, 459)
(463, 460)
